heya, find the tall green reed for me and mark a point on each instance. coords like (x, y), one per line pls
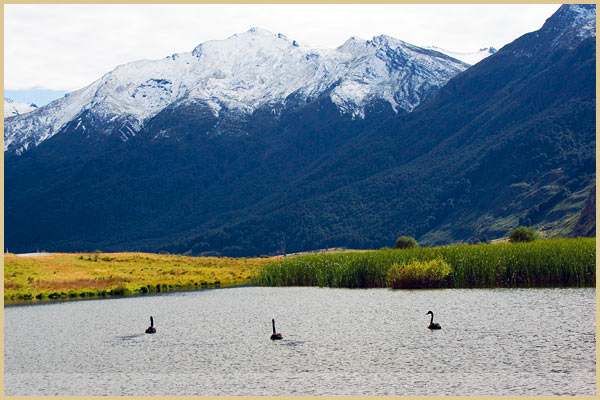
(542, 263)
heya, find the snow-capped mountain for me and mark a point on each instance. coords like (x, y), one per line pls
(245, 160)
(572, 24)
(12, 107)
(243, 73)
(470, 58)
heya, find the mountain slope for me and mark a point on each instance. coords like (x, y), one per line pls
(509, 141)
(217, 145)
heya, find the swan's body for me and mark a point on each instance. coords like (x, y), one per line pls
(151, 328)
(433, 325)
(275, 335)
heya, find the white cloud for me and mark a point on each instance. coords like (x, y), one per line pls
(69, 46)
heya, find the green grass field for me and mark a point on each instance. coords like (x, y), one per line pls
(70, 276)
(542, 263)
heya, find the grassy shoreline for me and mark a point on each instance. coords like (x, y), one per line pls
(70, 276)
(73, 276)
(542, 263)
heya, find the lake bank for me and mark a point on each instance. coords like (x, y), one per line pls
(73, 276)
(64, 276)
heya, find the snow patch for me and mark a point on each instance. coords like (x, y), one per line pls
(12, 108)
(470, 58)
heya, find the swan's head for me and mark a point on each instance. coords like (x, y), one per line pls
(429, 312)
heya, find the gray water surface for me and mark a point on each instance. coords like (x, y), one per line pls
(336, 341)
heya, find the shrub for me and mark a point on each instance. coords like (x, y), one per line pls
(96, 252)
(406, 242)
(523, 234)
(419, 275)
(120, 291)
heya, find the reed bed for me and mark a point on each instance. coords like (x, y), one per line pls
(542, 263)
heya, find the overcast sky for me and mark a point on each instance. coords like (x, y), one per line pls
(66, 47)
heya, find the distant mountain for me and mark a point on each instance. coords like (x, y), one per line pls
(470, 58)
(231, 79)
(12, 107)
(383, 148)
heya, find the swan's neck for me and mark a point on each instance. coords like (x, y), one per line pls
(273, 326)
(151, 322)
(431, 322)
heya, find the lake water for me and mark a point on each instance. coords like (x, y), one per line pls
(336, 341)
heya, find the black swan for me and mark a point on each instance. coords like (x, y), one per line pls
(433, 325)
(276, 336)
(151, 329)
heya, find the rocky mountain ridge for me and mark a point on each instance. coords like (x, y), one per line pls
(241, 74)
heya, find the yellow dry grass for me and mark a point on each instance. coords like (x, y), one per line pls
(96, 274)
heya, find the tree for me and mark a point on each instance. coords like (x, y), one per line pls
(523, 234)
(406, 242)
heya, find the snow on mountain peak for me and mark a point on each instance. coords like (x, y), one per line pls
(259, 30)
(584, 19)
(352, 41)
(470, 58)
(246, 71)
(254, 37)
(572, 23)
(12, 108)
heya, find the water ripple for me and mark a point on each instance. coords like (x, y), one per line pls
(336, 342)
